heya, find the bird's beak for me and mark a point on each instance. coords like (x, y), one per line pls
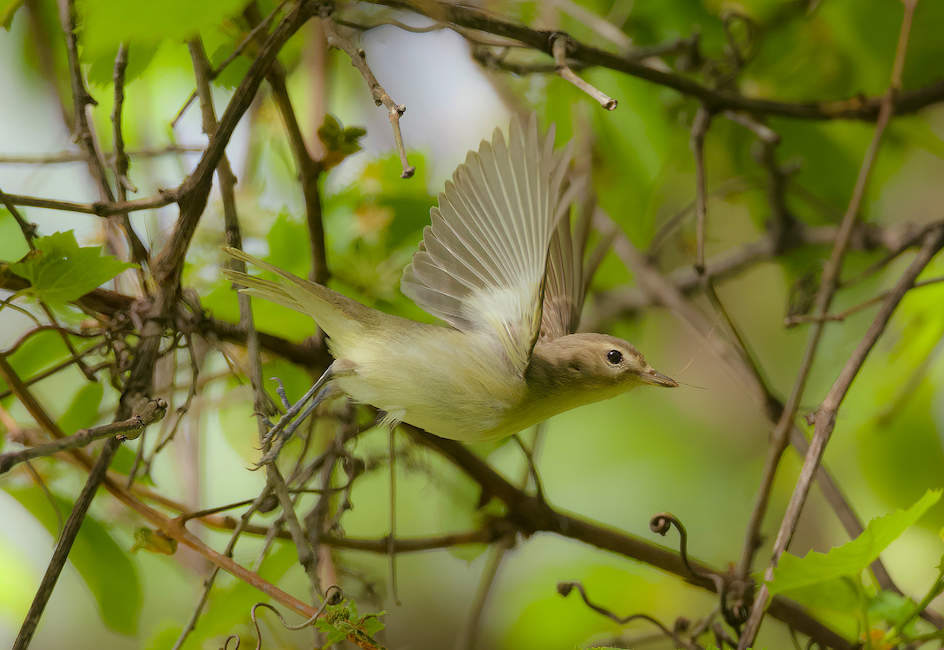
(657, 379)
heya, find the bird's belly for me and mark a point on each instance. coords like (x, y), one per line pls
(455, 389)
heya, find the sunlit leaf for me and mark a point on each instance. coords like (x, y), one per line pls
(854, 556)
(339, 142)
(153, 541)
(105, 24)
(8, 9)
(891, 607)
(837, 594)
(59, 270)
(13, 245)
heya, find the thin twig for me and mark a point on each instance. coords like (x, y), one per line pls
(214, 570)
(564, 589)
(699, 129)
(99, 208)
(172, 528)
(195, 190)
(857, 108)
(152, 413)
(64, 547)
(139, 254)
(467, 636)
(359, 61)
(309, 170)
(598, 24)
(28, 229)
(845, 313)
(665, 294)
(559, 47)
(762, 131)
(825, 419)
(828, 284)
(532, 515)
(253, 33)
(67, 157)
(866, 237)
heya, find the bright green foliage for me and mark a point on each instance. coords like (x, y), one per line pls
(341, 621)
(339, 142)
(59, 270)
(851, 558)
(7, 10)
(12, 244)
(643, 178)
(37, 353)
(833, 582)
(889, 607)
(104, 565)
(83, 411)
(105, 24)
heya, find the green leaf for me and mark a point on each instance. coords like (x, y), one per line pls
(837, 595)
(854, 556)
(13, 245)
(7, 11)
(339, 142)
(83, 411)
(101, 73)
(59, 270)
(19, 580)
(105, 567)
(332, 634)
(891, 607)
(372, 625)
(107, 23)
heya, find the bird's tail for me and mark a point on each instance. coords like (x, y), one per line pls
(336, 314)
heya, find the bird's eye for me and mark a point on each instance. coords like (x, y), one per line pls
(614, 356)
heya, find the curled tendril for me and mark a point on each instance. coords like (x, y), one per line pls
(333, 596)
(740, 53)
(228, 639)
(660, 523)
(564, 589)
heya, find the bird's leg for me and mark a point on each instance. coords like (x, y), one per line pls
(285, 425)
(280, 391)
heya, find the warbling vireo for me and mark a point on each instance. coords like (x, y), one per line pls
(498, 265)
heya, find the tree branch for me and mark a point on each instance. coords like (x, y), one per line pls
(858, 108)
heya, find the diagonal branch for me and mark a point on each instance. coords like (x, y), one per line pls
(858, 108)
(533, 515)
(195, 191)
(359, 60)
(153, 412)
(825, 421)
(827, 289)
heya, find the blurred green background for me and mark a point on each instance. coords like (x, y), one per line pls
(696, 452)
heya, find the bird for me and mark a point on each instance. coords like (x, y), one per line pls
(499, 265)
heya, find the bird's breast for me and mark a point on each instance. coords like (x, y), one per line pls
(453, 384)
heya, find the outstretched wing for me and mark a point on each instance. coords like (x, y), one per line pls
(482, 262)
(564, 287)
(568, 272)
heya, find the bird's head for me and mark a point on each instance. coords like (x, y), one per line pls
(592, 363)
